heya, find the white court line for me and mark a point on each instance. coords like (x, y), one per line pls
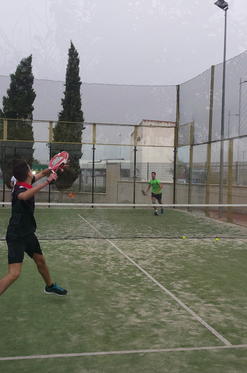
(123, 352)
(183, 305)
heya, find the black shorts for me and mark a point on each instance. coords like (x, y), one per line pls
(16, 248)
(157, 196)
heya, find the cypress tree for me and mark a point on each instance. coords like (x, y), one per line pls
(18, 106)
(65, 132)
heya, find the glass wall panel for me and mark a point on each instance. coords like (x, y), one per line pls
(194, 105)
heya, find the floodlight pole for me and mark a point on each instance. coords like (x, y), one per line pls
(224, 6)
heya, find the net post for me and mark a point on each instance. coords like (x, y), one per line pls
(229, 184)
(209, 145)
(176, 144)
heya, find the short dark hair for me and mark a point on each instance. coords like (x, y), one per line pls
(153, 172)
(20, 169)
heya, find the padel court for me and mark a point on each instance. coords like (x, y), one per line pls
(146, 294)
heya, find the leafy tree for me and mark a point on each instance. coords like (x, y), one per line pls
(18, 109)
(64, 131)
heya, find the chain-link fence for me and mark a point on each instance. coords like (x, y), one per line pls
(116, 161)
(199, 139)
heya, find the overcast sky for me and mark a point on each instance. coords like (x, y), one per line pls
(147, 42)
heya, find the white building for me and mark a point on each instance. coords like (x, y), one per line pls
(155, 149)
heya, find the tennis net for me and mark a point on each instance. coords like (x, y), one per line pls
(58, 221)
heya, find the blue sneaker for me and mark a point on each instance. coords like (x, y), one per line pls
(55, 289)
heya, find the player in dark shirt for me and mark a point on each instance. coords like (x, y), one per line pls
(20, 235)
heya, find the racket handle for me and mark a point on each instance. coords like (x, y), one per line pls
(51, 169)
(52, 177)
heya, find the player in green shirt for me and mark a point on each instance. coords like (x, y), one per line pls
(156, 192)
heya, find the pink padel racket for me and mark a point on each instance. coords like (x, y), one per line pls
(58, 161)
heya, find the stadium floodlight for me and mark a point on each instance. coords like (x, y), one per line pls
(222, 4)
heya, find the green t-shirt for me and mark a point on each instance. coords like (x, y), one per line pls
(155, 184)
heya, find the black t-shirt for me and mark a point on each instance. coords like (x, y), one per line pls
(22, 221)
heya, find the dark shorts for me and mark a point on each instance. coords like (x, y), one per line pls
(157, 196)
(17, 248)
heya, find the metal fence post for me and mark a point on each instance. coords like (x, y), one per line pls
(4, 160)
(229, 184)
(209, 145)
(5, 129)
(5, 137)
(93, 168)
(50, 139)
(222, 129)
(191, 162)
(134, 176)
(176, 144)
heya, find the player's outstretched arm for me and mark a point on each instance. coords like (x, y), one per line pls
(47, 172)
(31, 192)
(43, 173)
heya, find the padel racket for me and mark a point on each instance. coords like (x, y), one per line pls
(58, 161)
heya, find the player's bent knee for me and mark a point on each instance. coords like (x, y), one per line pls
(14, 274)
